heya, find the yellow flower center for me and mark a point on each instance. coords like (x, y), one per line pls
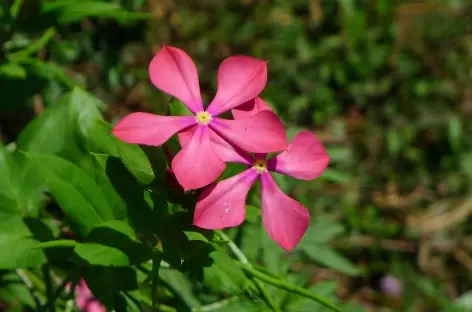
(260, 165)
(203, 118)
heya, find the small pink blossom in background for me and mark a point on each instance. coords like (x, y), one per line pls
(391, 285)
(240, 80)
(85, 300)
(222, 204)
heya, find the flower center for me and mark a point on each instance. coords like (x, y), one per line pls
(203, 118)
(260, 165)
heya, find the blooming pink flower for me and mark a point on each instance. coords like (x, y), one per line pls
(222, 204)
(240, 80)
(85, 300)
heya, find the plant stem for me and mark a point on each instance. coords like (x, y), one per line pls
(49, 289)
(156, 262)
(69, 305)
(289, 287)
(162, 307)
(270, 278)
(35, 46)
(72, 276)
(245, 262)
(15, 8)
(216, 305)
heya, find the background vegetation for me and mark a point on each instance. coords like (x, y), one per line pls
(384, 84)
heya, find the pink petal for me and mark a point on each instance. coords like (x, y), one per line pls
(82, 294)
(240, 79)
(260, 133)
(285, 219)
(226, 151)
(95, 306)
(305, 158)
(222, 204)
(250, 108)
(149, 129)
(173, 71)
(197, 165)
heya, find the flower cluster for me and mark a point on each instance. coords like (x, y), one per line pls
(209, 142)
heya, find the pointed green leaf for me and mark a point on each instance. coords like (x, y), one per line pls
(75, 192)
(18, 245)
(11, 195)
(330, 258)
(102, 255)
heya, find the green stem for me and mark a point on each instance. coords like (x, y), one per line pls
(217, 305)
(289, 287)
(245, 262)
(49, 289)
(162, 307)
(35, 46)
(72, 276)
(156, 262)
(264, 270)
(15, 8)
(234, 248)
(69, 305)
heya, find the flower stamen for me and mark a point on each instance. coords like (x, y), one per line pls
(260, 165)
(203, 118)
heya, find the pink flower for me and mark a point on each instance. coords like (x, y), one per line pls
(85, 300)
(222, 204)
(240, 80)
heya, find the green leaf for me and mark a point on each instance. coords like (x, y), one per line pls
(156, 264)
(330, 258)
(235, 304)
(133, 156)
(195, 236)
(232, 169)
(177, 108)
(75, 192)
(13, 70)
(14, 291)
(116, 203)
(21, 252)
(136, 161)
(11, 195)
(250, 242)
(111, 285)
(34, 46)
(102, 255)
(180, 285)
(102, 141)
(119, 235)
(60, 243)
(224, 275)
(323, 289)
(42, 135)
(336, 176)
(71, 11)
(85, 110)
(16, 238)
(253, 214)
(464, 301)
(455, 132)
(321, 231)
(46, 70)
(217, 270)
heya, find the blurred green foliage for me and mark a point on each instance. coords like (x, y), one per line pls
(384, 84)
